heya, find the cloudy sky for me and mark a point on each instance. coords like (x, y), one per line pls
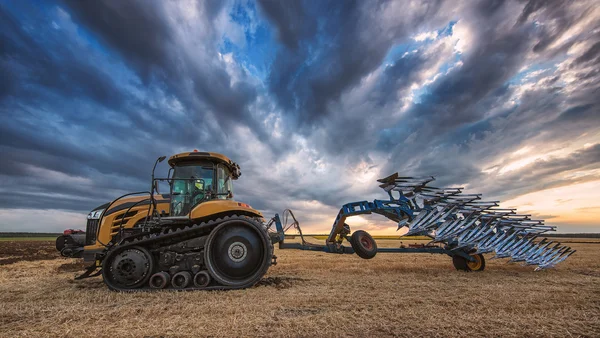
(315, 100)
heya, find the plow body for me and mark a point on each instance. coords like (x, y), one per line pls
(462, 225)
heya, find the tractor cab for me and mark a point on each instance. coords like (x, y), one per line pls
(198, 177)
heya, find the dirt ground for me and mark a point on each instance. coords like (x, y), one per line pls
(309, 294)
(19, 250)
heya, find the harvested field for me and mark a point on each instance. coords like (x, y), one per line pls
(310, 294)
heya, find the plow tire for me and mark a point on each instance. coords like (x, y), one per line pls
(462, 264)
(363, 244)
(478, 264)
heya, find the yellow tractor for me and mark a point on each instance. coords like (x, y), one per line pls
(197, 237)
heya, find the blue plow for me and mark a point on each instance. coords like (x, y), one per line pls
(459, 225)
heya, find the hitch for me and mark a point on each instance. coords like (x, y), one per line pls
(89, 272)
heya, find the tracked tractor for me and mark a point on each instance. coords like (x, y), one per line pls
(197, 237)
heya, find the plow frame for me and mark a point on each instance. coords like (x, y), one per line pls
(394, 210)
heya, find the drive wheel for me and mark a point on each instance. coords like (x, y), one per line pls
(127, 269)
(238, 252)
(363, 244)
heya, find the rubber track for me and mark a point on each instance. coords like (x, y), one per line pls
(172, 236)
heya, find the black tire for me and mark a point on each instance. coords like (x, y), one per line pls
(202, 279)
(181, 280)
(462, 264)
(363, 244)
(61, 242)
(128, 268)
(159, 280)
(238, 252)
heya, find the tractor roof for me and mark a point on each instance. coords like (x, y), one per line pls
(196, 156)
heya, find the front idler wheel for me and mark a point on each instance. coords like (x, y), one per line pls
(160, 280)
(363, 244)
(238, 253)
(201, 279)
(181, 280)
(129, 268)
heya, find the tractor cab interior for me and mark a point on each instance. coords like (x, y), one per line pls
(195, 182)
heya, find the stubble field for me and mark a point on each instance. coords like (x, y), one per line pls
(310, 294)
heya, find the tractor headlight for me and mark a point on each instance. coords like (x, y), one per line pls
(95, 214)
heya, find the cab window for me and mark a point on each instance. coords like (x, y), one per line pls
(224, 186)
(191, 185)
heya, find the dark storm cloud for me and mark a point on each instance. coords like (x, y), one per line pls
(17, 200)
(401, 74)
(589, 55)
(318, 65)
(454, 113)
(28, 61)
(140, 32)
(92, 92)
(292, 21)
(496, 58)
(548, 173)
(45, 71)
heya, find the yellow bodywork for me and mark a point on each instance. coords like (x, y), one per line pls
(115, 217)
(197, 155)
(111, 221)
(215, 207)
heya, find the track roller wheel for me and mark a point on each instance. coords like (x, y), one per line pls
(128, 268)
(159, 280)
(363, 244)
(238, 252)
(462, 264)
(181, 279)
(201, 279)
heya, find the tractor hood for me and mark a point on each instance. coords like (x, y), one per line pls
(127, 202)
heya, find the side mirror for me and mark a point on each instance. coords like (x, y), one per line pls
(156, 186)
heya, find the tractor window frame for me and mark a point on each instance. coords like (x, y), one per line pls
(224, 184)
(188, 200)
